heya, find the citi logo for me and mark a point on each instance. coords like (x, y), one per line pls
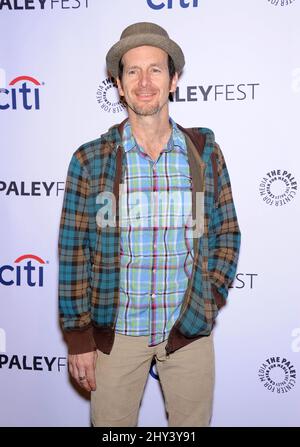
(26, 270)
(169, 4)
(23, 93)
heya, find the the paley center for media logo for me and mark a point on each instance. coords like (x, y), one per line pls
(108, 97)
(281, 2)
(22, 92)
(277, 374)
(278, 187)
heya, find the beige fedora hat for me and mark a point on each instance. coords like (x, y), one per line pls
(143, 33)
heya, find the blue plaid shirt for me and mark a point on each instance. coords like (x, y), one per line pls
(156, 250)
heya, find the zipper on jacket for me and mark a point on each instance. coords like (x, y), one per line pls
(184, 304)
(119, 228)
(196, 255)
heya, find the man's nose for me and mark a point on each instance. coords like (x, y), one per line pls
(144, 78)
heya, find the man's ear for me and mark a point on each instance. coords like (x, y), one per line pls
(120, 89)
(173, 83)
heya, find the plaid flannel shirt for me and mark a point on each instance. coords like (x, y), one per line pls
(156, 248)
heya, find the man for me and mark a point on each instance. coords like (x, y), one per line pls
(131, 290)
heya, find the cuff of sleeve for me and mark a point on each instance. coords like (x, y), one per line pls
(80, 341)
(219, 299)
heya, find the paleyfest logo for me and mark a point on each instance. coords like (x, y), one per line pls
(278, 375)
(29, 362)
(216, 92)
(41, 5)
(108, 96)
(281, 2)
(32, 363)
(31, 188)
(278, 187)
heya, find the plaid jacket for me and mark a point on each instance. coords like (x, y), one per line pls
(89, 259)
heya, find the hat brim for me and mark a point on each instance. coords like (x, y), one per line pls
(164, 43)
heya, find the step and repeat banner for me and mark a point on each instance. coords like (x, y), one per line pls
(242, 80)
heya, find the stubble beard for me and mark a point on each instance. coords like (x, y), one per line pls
(146, 110)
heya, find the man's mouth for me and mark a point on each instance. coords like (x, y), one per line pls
(145, 95)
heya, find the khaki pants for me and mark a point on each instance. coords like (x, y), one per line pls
(186, 376)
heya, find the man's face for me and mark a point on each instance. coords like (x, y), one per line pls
(146, 82)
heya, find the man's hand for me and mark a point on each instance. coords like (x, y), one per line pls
(82, 369)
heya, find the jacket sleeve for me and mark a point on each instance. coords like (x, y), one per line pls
(224, 235)
(74, 261)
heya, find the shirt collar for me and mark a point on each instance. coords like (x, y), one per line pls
(177, 138)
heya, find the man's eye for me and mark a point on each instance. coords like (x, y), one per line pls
(155, 70)
(131, 72)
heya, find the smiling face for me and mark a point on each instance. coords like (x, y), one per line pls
(146, 82)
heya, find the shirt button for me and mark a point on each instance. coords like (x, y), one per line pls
(153, 295)
(154, 270)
